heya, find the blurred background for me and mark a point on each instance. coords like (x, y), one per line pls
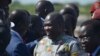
(29, 5)
(84, 7)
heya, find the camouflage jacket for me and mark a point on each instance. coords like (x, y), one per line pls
(64, 46)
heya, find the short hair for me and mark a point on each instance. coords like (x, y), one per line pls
(54, 16)
(44, 6)
(76, 8)
(68, 10)
(36, 20)
(20, 15)
(93, 26)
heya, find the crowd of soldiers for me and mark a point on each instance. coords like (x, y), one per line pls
(48, 33)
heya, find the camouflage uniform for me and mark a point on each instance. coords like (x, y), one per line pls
(64, 46)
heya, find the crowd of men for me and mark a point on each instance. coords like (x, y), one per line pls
(48, 33)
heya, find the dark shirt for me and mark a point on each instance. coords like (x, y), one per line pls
(16, 47)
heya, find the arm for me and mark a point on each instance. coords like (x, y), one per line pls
(76, 50)
(21, 50)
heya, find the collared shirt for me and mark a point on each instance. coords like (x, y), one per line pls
(64, 46)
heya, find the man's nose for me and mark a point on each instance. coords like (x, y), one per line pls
(47, 27)
(83, 41)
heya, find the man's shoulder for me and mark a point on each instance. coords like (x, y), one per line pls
(18, 49)
(12, 46)
(45, 40)
(69, 38)
(70, 41)
(15, 36)
(14, 42)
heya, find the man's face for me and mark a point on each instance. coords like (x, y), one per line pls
(38, 29)
(52, 28)
(87, 40)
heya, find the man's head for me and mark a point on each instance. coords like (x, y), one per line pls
(69, 14)
(68, 10)
(69, 21)
(90, 35)
(54, 24)
(75, 7)
(21, 19)
(43, 8)
(4, 32)
(37, 26)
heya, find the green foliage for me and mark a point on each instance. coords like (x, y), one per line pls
(30, 8)
(85, 9)
(58, 6)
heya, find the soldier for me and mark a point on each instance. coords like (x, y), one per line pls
(68, 10)
(90, 37)
(56, 42)
(43, 8)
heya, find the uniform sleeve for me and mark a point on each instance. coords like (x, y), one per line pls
(75, 50)
(21, 50)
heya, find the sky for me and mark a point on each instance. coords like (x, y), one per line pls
(83, 2)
